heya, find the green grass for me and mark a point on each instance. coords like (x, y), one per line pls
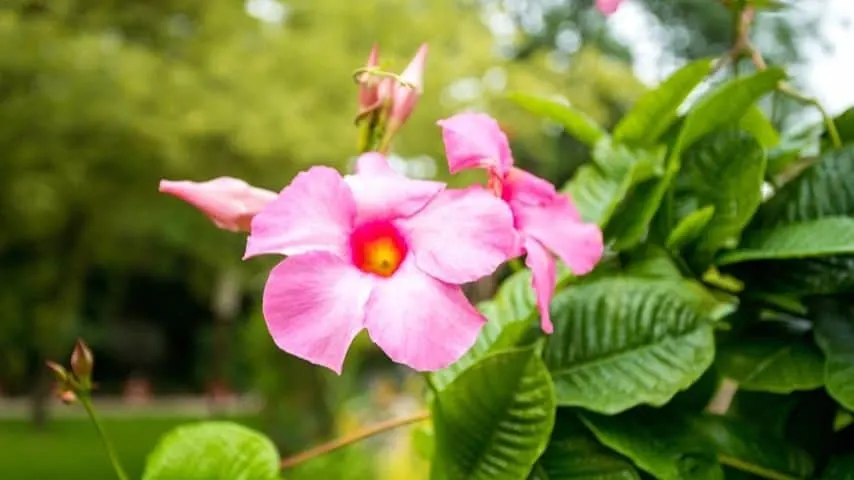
(71, 448)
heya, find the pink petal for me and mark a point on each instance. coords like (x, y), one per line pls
(404, 97)
(462, 235)
(475, 140)
(420, 321)
(608, 7)
(543, 279)
(314, 213)
(383, 194)
(229, 202)
(314, 305)
(525, 187)
(579, 245)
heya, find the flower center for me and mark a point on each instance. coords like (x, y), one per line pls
(378, 248)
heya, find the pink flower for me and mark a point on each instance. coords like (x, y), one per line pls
(229, 202)
(607, 7)
(546, 220)
(381, 252)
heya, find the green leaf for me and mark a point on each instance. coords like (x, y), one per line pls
(651, 261)
(576, 122)
(495, 419)
(834, 333)
(760, 127)
(661, 442)
(599, 187)
(631, 222)
(841, 467)
(574, 454)
(726, 170)
(770, 364)
(725, 106)
(656, 110)
(690, 227)
(509, 316)
(822, 237)
(650, 338)
(752, 450)
(213, 450)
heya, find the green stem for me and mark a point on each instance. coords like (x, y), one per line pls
(828, 120)
(86, 401)
(757, 470)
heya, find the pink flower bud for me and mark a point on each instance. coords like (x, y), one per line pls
(405, 97)
(368, 84)
(82, 361)
(607, 7)
(229, 202)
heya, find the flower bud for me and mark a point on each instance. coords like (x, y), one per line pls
(82, 361)
(59, 372)
(369, 84)
(406, 96)
(65, 395)
(230, 203)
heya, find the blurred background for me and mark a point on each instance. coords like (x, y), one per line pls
(100, 99)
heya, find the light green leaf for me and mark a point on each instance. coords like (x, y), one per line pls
(661, 442)
(599, 187)
(840, 467)
(574, 454)
(834, 333)
(690, 227)
(213, 450)
(771, 364)
(724, 169)
(655, 110)
(576, 122)
(651, 338)
(760, 127)
(724, 106)
(495, 419)
(631, 222)
(749, 449)
(652, 261)
(815, 238)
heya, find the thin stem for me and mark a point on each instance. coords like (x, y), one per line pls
(828, 120)
(757, 470)
(355, 437)
(86, 401)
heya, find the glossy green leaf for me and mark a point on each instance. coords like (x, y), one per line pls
(840, 467)
(661, 442)
(599, 187)
(656, 110)
(651, 261)
(650, 338)
(834, 333)
(690, 227)
(213, 450)
(575, 454)
(495, 419)
(576, 123)
(752, 450)
(815, 238)
(725, 106)
(760, 127)
(631, 222)
(771, 364)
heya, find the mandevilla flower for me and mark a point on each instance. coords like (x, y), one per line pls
(546, 220)
(230, 203)
(608, 7)
(381, 252)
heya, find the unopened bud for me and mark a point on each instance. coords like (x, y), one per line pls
(59, 372)
(406, 96)
(66, 396)
(369, 84)
(82, 361)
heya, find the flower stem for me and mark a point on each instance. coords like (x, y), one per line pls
(86, 401)
(357, 436)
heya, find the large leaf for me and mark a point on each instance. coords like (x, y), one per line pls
(576, 122)
(725, 106)
(841, 467)
(815, 238)
(509, 316)
(650, 338)
(760, 127)
(749, 449)
(655, 110)
(726, 170)
(213, 450)
(598, 187)
(834, 333)
(771, 364)
(574, 454)
(661, 442)
(495, 419)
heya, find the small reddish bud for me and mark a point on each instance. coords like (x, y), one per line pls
(82, 361)
(369, 84)
(406, 96)
(66, 396)
(59, 371)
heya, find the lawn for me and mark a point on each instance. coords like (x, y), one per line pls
(70, 448)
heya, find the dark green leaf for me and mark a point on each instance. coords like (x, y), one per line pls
(495, 419)
(834, 333)
(690, 227)
(650, 338)
(213, 450)
(631, 222)
(823, 237)
(771, 364)
(655, 110)
(662, 442)
(576, 122)
(841, 467)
